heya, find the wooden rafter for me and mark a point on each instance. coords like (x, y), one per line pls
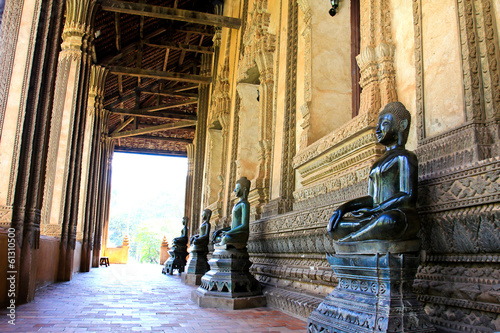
(170, 13)
(151, 129)
(197, 31)
(161, 138)
(123, 125)
(168, 93)
(130, 48)
(181, 46)
(118, 32)
(160, 75)
(163, 115)
(176, 92)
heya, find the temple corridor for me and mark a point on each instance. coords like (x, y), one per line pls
(123, 298)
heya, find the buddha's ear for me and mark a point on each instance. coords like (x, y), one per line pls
(403, 124)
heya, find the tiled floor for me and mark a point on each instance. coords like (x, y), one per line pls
(124, 298)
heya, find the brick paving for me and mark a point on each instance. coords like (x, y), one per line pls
(125, 298)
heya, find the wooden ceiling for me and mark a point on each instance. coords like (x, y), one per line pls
(153, 51)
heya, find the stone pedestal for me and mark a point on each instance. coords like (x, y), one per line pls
(196, 267)
(374, 294)
(177, 260)
(228, 284)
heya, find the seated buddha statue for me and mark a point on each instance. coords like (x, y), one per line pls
(237, 235)
(183, 239)
(388, 212)
(200, 241)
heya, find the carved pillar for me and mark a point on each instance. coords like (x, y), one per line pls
(86, 217)
(287, 181)
(304, 109)
(107, 147)
(39, 83)
(259, 48)
(188, 201)
(107, 194)
(61, 191)
(200, 139)
(376, 60)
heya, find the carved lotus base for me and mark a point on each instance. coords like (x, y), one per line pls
(197, 263)
(177, 260)
(373, 295)
(229, 278)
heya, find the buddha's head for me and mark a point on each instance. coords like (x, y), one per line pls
(207, 213)
(242, 187)
(393, 124)
(184, 220)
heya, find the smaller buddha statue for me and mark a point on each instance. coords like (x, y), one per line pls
(200, 241)
(237, 235)
(183, 239)
(389, 211)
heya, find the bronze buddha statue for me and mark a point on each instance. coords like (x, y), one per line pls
(200, 241)
(237, 235)
(183, 239)
(389, 211)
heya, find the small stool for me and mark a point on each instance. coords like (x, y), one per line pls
(104, 261)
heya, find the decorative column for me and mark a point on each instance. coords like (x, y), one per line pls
(91, 153)
(376, 60)
(29, 149)
(287, 179)
(103, 198)
(259, 45)
(200, 140)
(62, 186)
(188, 201)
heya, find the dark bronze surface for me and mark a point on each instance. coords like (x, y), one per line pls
(389, 211)
(178, 252)
(237, 235)
(197, 263)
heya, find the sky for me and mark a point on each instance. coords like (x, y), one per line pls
(139, 172)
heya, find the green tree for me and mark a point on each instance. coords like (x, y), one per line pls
(148, 242)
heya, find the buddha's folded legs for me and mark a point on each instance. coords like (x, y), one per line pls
(389, 225)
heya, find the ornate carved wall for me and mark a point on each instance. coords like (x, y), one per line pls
(459, 166)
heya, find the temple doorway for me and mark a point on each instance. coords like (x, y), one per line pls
(146, 206)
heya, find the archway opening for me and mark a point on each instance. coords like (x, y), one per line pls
(146, 206)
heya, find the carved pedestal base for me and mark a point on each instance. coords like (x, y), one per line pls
(228, 284)
(373, 295)
(191, 279)
(177, 260)
(197, 263)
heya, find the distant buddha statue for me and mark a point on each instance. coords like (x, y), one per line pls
(389, 212)
(183, 239)
(200, 241)
(237, 234)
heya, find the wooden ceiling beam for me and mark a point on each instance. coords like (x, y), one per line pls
(123, 125)
(197, 31)
(169, 106)
(161, 115)
(168, 13)
(159, 75)
(168, 93)
(181, 46)
(118, 32)
(161, 138)
(151, 129)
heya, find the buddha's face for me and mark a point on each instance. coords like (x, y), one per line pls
(387, 130)
(238, 190)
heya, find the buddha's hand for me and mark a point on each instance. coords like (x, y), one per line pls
(334, 220)
(362, 212)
